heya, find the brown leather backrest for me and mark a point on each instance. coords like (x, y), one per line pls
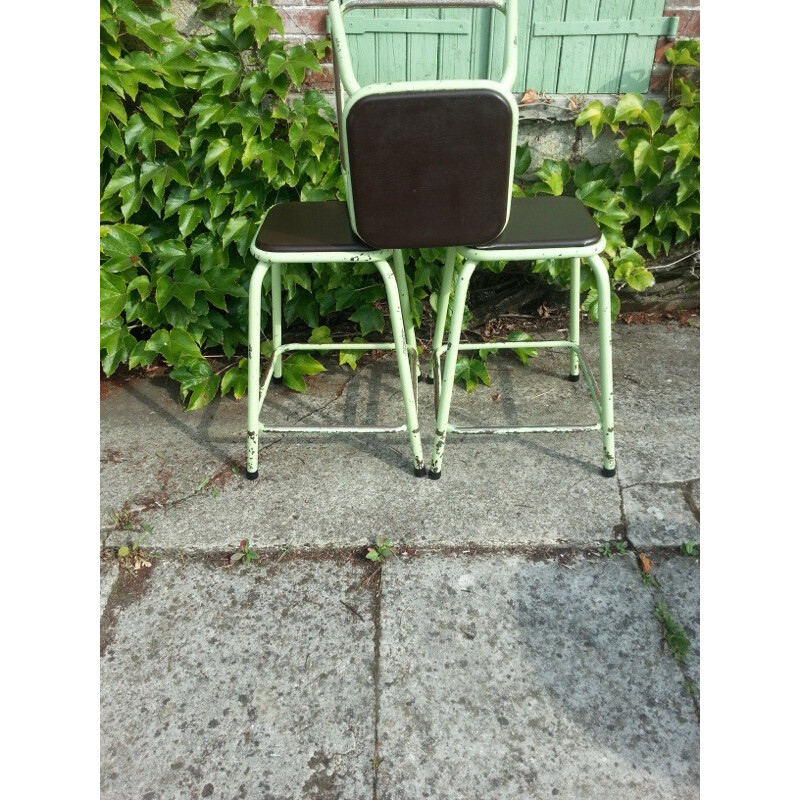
(430, 168)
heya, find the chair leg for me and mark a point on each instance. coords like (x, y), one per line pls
(277, 319)
(606, 377)
(405, 304)
(403, 367)
(254, 367)
(441, 310)
(575, 317)
(449, 371)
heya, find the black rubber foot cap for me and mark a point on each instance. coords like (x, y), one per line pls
(573, 378)
(609, 473)
(428, 379)
(434, 476)
(420, 472)
(251, 476)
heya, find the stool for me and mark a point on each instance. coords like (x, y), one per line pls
(538, 228)
(320, 232)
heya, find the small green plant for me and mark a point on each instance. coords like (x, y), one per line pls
(382, 551)
(674, 635)
(608, 548)
(124, 519)
(245, 553)
(690, 548)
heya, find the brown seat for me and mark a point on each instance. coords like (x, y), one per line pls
(308, 228)
(544, 221)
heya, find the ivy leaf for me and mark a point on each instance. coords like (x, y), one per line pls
(220, 152)
(590, 305)
(630, 107)
(186, 284)
(684, 53)
(208, 110)
(554, 174)
(113, 296)
(262, 19)
(304, 306)
(224, 69)
(471, 370)
(522, 159)
(111, 139)
(295, 62)
(236, 379)
(523, 354)
(236, 228)
(296, 367)
(351, 357)
(597, 115)
(321, 335)
(652, 114)
(189, 217)
(140, 284)
(123, 240)
(369, 319)
(646, 156)
(116, 342)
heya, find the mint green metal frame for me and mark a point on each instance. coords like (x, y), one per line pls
(404, 344)
(602, 398)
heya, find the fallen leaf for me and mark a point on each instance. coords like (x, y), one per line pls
(646, 563)
(530, 96)
(496, 397)
(573, 103)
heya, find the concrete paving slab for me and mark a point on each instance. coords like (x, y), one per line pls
(109, 572)
(657, 403)
(240, 682)
(328, 491)
(679, 577)
(180, 473)
(504, 678)
(659, 516)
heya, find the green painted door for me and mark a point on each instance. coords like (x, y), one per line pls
(571, 46)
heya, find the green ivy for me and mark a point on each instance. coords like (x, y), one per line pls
(201, 134)
(648, 198)
(198, 138)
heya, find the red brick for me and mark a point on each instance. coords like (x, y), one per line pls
(323, 3)
(662, 46)
(659, 78)
(681, 4)
(307, 22)
(320, 80)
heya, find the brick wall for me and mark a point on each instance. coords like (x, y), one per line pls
(304, 20)
(688, 28)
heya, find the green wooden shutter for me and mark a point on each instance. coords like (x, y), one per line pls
(569, 46)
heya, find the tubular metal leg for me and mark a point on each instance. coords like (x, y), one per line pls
(441, 311)
(449, 371)
(405, 304)
(606, 377)
(277, 318)
(401, 348)
(254, 366)
(575, 317)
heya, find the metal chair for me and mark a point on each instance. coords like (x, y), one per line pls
(406, 187)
